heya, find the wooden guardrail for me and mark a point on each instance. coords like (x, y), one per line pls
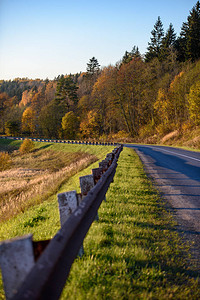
(38, 270)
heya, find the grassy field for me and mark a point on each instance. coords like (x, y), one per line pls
(34, 177)
(132, 252)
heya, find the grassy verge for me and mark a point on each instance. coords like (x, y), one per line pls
(134, 251)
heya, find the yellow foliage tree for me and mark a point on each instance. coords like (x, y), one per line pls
(70, 125)
(194, 103)
(89, 126)
(29, 120)
(162, 106)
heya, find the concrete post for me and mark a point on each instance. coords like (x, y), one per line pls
(86, 184)
(16, 261)
(97, 173)
(68, 202)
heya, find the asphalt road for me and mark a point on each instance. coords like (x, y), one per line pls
(176, 173)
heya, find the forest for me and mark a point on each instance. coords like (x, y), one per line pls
(137, 99)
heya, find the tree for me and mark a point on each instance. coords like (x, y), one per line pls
(163, 108)
(156, 41)
(3, 99)
(193, 33)
(189, 40)
(12, 128)
(194, 103)
(66, 92)
(93, 67)
(168, 42)
(70, 125)
(29, 120)
(128, 56)
(50, 119)
(89, 126)
(128, 91)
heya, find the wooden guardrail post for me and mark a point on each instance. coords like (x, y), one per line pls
(68, 202)
(16, 261)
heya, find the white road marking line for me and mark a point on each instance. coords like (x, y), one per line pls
(178, 154)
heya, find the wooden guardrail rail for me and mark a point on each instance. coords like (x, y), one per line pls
(38, 270)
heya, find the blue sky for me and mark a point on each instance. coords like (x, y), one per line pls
(45, 38)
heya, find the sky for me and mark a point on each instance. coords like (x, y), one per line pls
(46, 38)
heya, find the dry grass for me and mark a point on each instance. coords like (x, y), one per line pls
(40, 175)
(169, 136)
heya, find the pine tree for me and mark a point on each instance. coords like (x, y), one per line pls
(189, 41)
(169, 37)
(193, 36)
(168, 42)
(128, 56)
(156, 41)
(66, 92)
(93, 67)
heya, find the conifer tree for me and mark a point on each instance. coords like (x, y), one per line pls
(66, 92)
(156, 41)
(128, 56)
(168, 42)
(189, 41)
(193, 34)
(93, 67)
(169, 37)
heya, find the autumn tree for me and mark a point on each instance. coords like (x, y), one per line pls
(38, 100)
(89, 126)
(50, 118)
(29, 120)
(194, 103)
(70, 125)
(12, 128)
(3, 98)
(128, 94)
(102, 99)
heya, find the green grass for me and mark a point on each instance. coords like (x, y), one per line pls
(132, 252)
(42, 220)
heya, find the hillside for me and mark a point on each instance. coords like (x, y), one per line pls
(140, 98)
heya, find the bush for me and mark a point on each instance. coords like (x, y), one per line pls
(26, 147)
(121, 136)
(5, 161)
(147, 130)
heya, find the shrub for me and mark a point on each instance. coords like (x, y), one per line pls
(26, 147)
(5, 161)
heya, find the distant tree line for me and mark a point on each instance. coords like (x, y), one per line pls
(140, 96)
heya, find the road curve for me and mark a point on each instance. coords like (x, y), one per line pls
(176, 173)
